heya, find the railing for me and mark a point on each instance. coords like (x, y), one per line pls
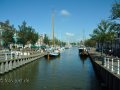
(16, 54)
(12, 63)
(112, 64)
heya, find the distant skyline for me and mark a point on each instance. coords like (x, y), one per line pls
(74, 19)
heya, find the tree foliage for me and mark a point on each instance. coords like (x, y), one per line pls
(103, 32)
(7, 34)
(46, 40)
(115, 10)
(90, 43)
(34, 38)
(57, 41)
(27, 34)
(116, 16)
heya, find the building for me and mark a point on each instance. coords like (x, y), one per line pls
(40, 41)
(1, 40)
(116, 45)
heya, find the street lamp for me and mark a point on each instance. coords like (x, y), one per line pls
(15, 36)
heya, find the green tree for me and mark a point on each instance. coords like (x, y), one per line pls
(46, 40)
(104, 32)
(57, 41)
(8, 31)
(62, 43)
(115, 10)
(27, 34)
(90, 42)
(34, 38)
(23, 33)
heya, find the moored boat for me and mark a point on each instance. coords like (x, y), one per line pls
(83, 51)
(53, 51)
(54, 54)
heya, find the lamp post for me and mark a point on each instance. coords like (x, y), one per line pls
(15, 38)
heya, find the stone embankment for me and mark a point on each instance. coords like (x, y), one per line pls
(107, 69)
(12, 63)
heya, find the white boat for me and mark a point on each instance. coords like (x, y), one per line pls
(68, 46)
(53, 52)
(62, 49)
(83, 50)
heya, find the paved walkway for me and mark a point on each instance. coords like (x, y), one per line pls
(113, 67)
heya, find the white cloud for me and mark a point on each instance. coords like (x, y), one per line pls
(65, 12)
(69, 34)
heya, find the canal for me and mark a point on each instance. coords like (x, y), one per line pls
(67, 72)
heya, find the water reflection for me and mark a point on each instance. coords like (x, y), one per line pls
(67, 72)
(83, 59)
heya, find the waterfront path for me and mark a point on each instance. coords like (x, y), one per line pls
(13, 63)
(109, 62)
(107, 69)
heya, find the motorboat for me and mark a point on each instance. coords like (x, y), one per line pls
(83, 51)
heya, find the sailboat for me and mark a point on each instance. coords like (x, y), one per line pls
(53, 52)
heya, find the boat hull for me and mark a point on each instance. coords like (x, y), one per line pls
(50, 55)
(82, 52)
(54, 55)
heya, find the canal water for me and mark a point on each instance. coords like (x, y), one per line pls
(67, 72)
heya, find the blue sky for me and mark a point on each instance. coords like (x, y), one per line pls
(72, 17)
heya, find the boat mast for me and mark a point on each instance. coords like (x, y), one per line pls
(83, 37)
(53, 28)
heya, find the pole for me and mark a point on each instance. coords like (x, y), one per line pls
(5, 56)
(112, 65)
(53, 28)
(104, 61)
(118, 68)
(108, 64)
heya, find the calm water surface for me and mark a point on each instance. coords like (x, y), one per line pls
(68, 72)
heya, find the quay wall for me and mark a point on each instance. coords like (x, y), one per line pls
(11, 64)
(108, 79)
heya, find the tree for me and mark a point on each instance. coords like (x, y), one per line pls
(46, 40)
(34, 38)
(115, 11)
(104, 32)
(90, 42)
(8, 31)
(22, 33)
(62, 43)
(27, 34)
(57, 41)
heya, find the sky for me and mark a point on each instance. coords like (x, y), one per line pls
(74, 20)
